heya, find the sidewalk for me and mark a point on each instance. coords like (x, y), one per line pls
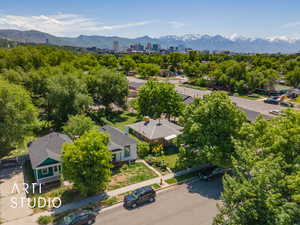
(31, 220)
(87, 201)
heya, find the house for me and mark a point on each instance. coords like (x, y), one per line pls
(44, 154)
(123, 147)
(155, 131)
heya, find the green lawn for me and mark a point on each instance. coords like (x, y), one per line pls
(194, 87)
(170, 160)
(130, 174)
(181, 178)
(120, 121)
(253, 96)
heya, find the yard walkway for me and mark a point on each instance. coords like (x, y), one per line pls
(87, 201)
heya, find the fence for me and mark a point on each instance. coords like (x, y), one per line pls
(13, 162)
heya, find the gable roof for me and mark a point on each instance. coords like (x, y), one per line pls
(117, 138)
(155, 129)
(45, 147)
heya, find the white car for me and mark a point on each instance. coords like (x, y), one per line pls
(275, 112)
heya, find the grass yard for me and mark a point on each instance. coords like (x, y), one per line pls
(297, 100)
(130, 174)
(194, 87)
(253, 96)
(181, 178)
(120, 121)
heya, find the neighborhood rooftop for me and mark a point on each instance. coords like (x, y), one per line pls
(117, 138)
(45, 147)
(155, 129)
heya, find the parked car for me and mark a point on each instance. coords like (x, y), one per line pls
(287, 104)
(272, 100)
(139, 196)
(208, 173)
(275, 112)
(86, 217)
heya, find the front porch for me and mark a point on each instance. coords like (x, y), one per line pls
(47, 174)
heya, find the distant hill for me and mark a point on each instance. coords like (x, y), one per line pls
(200, 42)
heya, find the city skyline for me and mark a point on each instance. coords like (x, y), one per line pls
(131, 18)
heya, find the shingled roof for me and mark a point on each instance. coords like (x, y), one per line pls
(117, 138)
(155, 129)
(45, 147)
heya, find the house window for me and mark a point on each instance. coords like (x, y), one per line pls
(55, 168)
(44, 171)
(59, 168)
(127, 151)
(114, 157)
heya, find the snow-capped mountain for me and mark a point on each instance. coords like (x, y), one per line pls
(234, 43)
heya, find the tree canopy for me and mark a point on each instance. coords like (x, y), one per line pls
(265, 185)
(87, 162)
(210, 124)
(157, 98)
(77, 125)
(18, 116)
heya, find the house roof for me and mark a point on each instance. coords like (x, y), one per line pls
(45, 147)
(155, 129)
(117, 138)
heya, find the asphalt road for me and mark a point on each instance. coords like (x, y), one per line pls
(193, 204)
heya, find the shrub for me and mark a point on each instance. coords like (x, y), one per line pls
(156, 162)
(158, 150)
(44, 220)
(143, 149)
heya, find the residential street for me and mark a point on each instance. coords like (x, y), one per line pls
(185, 204)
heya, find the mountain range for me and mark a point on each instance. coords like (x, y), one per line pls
(194, 41)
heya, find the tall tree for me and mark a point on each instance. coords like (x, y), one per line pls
(156, 98)
(210, 124)
(265, 185)
(127, 64)
(148, 70)
(87, 162)
(18, 116)
(67, 95)
(107, 86)
(77, 125)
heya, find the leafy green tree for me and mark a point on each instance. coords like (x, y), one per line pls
(210, 124)
(77, 125)
(293, 77)
(148, 70)
(87, 162)
(18, 116)
(67, 95)
(157, 98)
(127, 64)
(143, 149)
(264, 185)
(107, 86)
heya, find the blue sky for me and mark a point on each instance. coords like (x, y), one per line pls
(133, 18)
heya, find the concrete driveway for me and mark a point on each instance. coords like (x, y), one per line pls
(9, 177)
(185, 204)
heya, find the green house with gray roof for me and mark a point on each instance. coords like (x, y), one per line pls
(44, 154)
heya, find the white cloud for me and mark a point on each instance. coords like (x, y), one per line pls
(62, 24)
(292, 24)
(176, 24)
